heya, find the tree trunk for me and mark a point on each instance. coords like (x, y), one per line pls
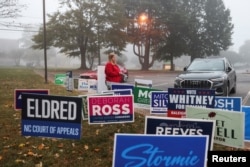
(145, 65)
(83, 59)
(83, 54)
(172, 63)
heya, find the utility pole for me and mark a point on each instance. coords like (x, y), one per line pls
(45, 44)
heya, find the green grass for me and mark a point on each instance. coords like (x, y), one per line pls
(95, 149)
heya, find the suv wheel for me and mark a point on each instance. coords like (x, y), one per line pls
(234, 88)
(226, 91)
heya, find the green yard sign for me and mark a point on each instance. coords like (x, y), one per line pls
(60, 79)
(142, 96)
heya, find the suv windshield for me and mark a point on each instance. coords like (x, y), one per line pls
(207, 65)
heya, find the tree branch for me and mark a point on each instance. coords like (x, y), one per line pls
(10, 8)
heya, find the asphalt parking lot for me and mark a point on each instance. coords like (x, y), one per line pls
(165, 79)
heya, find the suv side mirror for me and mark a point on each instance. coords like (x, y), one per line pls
(229, 69)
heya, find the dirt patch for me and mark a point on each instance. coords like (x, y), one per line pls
(50, 75)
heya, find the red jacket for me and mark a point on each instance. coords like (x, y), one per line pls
(112, 72)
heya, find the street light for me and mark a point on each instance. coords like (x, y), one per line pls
(144, 39)
(143, 20)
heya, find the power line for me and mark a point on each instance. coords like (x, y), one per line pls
(18, 25)
(30, 17)
(2, 29)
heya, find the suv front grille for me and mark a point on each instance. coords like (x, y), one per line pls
(198, 84)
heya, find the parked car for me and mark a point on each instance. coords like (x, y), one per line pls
(209, 73)
(92, 74)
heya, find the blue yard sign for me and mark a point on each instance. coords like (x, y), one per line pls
(175, 126)
(51, 116)
(18, 95)
(179, 98)
(118, 92)
(122, 86)
(228, 103)
(156, 150)
(246, 109)
(159, 102)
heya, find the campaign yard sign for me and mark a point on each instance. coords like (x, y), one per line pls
(18, 95)
(122, 86)
(246, 110)
(85, 104)
(159, 102)
(83, 84)
(110, 109)
(229, 126)
(51, 116)
(142, 97)
(228, 103)
(119, 92)
(179, 98)
(60, 79)
(101, 78)
(158, 150)
(175, 126)
(76, 83)
(69, 81)
(143, 83)
(92, 86)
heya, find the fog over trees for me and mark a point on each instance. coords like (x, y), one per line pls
(170, 29)
(86, 31)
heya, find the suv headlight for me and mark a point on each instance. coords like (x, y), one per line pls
(221, 79)
(178, 81)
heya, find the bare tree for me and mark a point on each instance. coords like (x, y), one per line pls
(10, 8)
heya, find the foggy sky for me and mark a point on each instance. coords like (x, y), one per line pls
(33, 15)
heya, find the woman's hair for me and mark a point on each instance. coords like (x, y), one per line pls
(111, 55)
